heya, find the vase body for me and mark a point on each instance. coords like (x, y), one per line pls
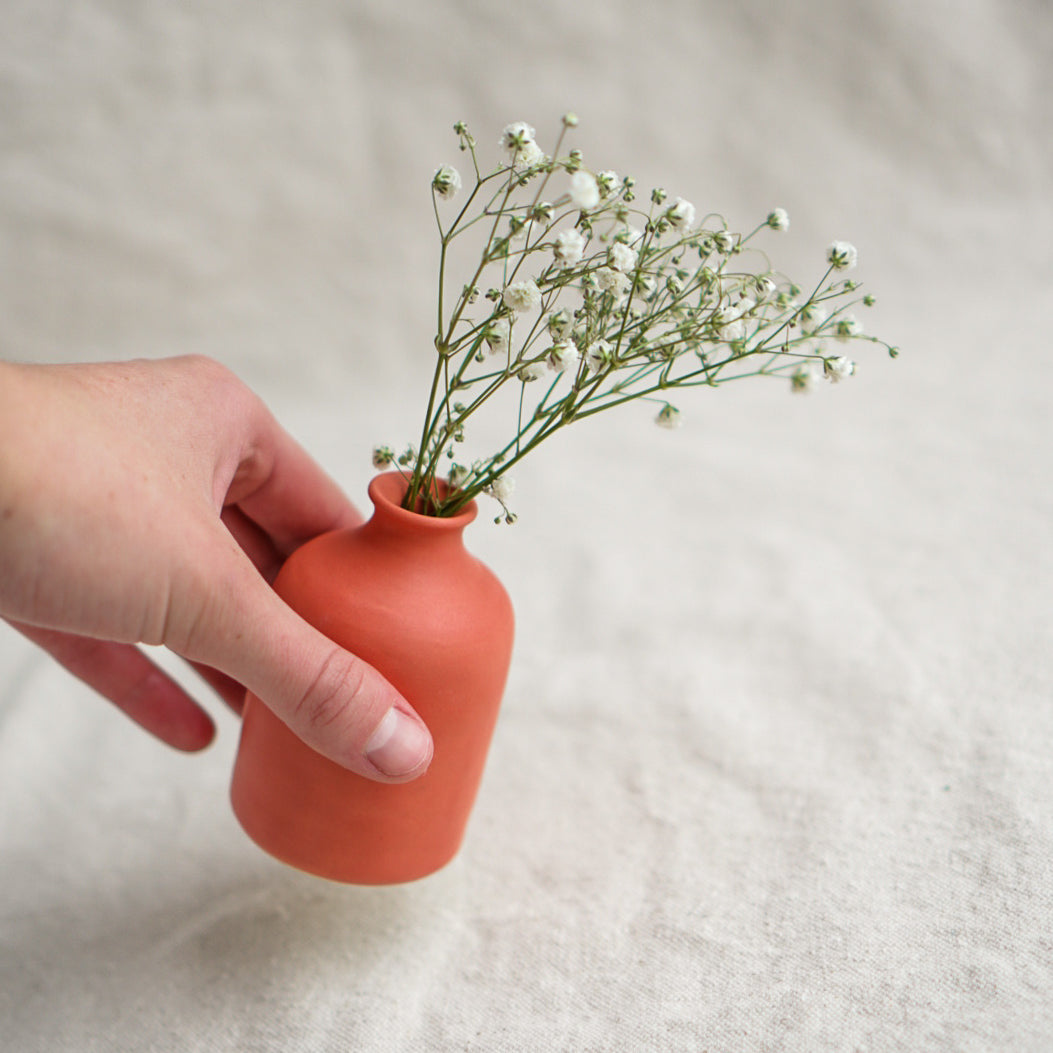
(402, 593)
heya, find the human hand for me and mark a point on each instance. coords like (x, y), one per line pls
(153, 502)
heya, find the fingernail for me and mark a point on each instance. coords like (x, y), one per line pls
(399, 745)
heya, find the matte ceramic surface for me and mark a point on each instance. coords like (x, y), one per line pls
(404, 594)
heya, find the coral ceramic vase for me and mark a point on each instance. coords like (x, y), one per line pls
(403, 593)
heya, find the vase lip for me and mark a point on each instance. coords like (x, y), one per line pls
(387, 490)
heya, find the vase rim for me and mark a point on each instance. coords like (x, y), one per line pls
(387, 490)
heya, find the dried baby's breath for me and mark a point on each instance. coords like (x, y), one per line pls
(593, 302)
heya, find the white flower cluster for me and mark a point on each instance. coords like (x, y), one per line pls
(604, 301)
(518, 140)
(668, 417)
(622, 257)
(842, 255)
(584, 191)
(522, 296)
(838, 368)
(681, 214)
(778, 219)
(568, 247)
(446, 182)
(497, 334)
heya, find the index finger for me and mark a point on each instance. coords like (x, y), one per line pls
(282, 489)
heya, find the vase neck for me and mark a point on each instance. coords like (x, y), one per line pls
(386, 491)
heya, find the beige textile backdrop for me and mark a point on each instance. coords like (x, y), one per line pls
(774, 766)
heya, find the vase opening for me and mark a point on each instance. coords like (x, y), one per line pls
(389, 490)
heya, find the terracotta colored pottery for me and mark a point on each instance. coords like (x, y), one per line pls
(403, 593)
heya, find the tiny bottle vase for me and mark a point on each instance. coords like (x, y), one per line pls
(402, 593)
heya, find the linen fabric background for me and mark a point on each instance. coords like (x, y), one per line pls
(773, 770)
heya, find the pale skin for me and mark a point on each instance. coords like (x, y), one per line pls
(154, 502)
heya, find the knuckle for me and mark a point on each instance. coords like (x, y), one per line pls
(223, 385)
(331, 693)
(200, 605)
(182, 624)
(205, 368)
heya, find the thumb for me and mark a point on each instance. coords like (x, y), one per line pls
(333, 700)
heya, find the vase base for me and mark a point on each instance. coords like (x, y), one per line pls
(367, 869)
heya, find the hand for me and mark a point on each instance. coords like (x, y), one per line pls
(153, 502)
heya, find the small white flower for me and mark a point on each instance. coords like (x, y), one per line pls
(522, 296)
(584, 193)
(681, 214)
(778, 219)
(724, 240)
(563, 358)
(518, 139)
(668, 417)
(528, 156)
(622, 257)
(766, 288)
(607, 182)
(559, 323)
(847, 327)
(446, 182)
(497, 335)
(530, 371)
(732, 331)
(597, 355)
(644, 286)
(502, 488)
(838, 368)
(568, 247)
(612, 281)
(811, 317)
(457, 475)
(516, 136)
(804, 378)
(383, 456)
(729, 320)
(842, 255)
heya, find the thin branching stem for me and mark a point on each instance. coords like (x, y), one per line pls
(692, 305)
